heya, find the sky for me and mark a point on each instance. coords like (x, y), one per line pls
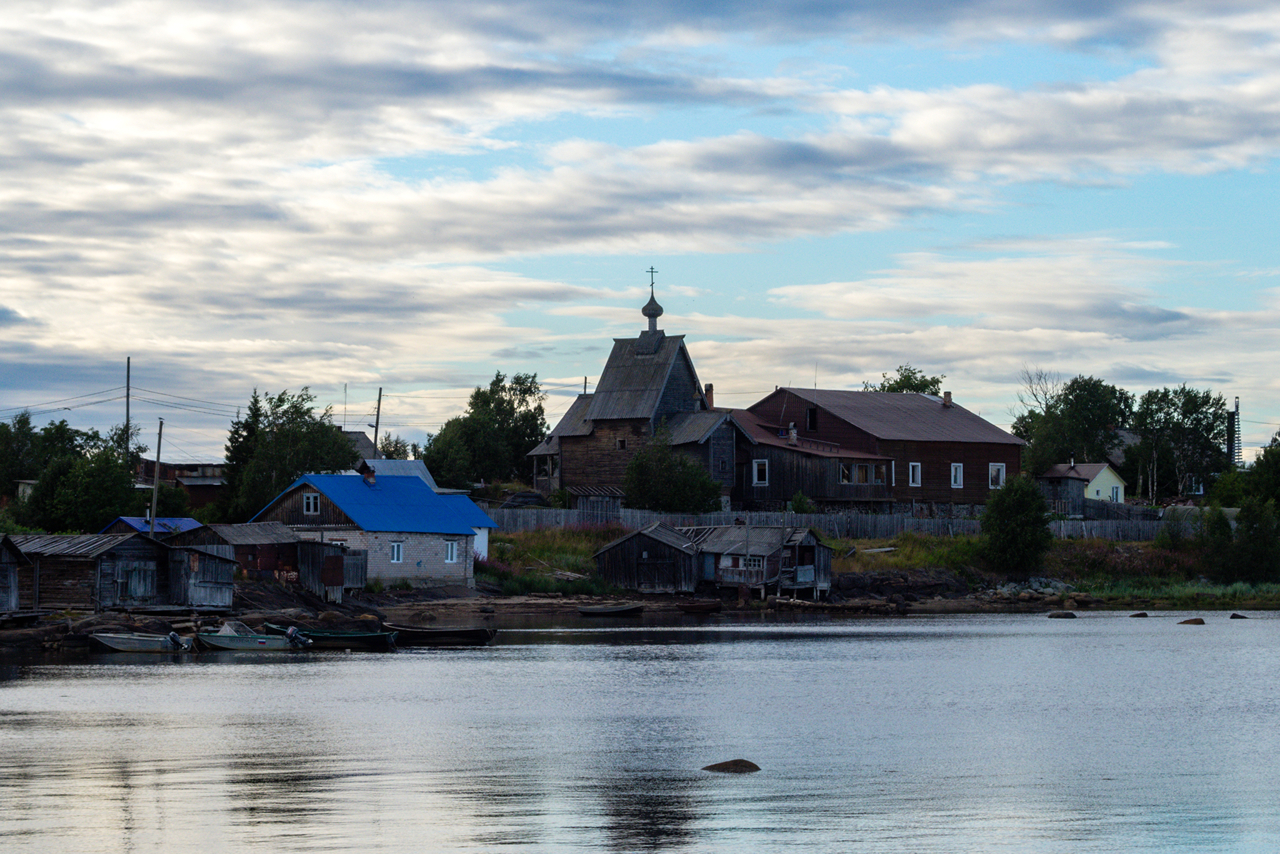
(414, 196)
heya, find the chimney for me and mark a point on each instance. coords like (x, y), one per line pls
(946, 399)
(709, 392)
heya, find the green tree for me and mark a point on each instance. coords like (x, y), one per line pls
(1015, 528)
(80, 492)
(908, 379)
(393, 448)
(489, 441)
(279, 438)
(663, 479)
(1215, 539)
(1184, 432)
(1078, 420)
(1256, 548)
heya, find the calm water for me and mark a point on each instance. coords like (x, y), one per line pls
(957, 734)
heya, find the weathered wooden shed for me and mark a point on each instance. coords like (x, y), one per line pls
(273, 551)
(656, 559)
(96, 571)
(201, 578)
(787, 559)
(14, 568)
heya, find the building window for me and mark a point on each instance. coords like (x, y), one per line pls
(913, 474)
(755, 562)
(957, 475)
(724, 466)
(878, 473)
(397, 552)
(450, 551)
(759, 472)
(311, 504)
(996, 473)
(1115, 494)
(811, 418)
(864, 474)
(620, 444)
(846, 472)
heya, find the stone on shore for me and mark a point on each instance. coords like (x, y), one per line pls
(734, 766)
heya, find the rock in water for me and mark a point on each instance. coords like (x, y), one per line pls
(1239, 617)
(1062, 615)
(734, 766)
(1139, 614)
(1194, 621)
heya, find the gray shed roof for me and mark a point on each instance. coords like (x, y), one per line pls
(663, 533)
(69, 545)
(255, 533)
(402, 468)
(573, 423)
(743, 539)
(906, 417)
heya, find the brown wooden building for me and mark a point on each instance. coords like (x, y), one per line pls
(15, 567)
(883, 446)
(648, 384)
(95, 572)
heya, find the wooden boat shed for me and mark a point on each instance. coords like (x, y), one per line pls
(656, 559)
(273, 551)
(96, 571)
(15, 579)
(663, 559)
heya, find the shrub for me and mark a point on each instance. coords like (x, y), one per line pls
(1015, 528)
(800, 503)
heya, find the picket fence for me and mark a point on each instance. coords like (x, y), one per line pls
(850, 526)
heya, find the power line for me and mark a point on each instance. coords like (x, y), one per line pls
(64, 400)
(192, 399)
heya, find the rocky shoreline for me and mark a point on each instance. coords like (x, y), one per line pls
(876, 595)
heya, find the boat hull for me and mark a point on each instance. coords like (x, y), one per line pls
(441, 635)
(629, 610)
(213, 640)
(132, 642)
(321, 639)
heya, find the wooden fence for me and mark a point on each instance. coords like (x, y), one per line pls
(853, 526)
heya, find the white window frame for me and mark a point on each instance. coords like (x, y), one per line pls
(450, 551)
(756, 467)
(957, 475)
(915, 474)
(994, 469)
(1115, 492)
(397, 552)
(310, 504)
(755, 562)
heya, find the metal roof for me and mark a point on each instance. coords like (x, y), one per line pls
(469, 511)
(69, 545)
(164, 524)
(905, 417)
(633, 379)
(762, 433)
(402, 468)
(390, 504)
(255, 534)
(742, 539)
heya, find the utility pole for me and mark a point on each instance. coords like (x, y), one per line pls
(155, 481)
(377, 421)
(127, 386)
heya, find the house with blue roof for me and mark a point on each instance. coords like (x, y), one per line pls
(408, 531)
(165, 525)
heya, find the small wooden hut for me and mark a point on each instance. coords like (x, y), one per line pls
(657, 559)
(96, 571)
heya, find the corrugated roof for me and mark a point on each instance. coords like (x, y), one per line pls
(469, 511)
(632, 382)
(906, 417)
(255, 534)
(733, 539)
(393, 504)
(164, 524)
(763, 433)
(402, 468)
(68, 545)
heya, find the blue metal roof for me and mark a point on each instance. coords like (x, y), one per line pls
(393, 504)
(469, 511)
(164, 524)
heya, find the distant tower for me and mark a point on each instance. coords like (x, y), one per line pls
(1237, 453)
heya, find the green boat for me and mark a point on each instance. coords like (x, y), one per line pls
(325, 639)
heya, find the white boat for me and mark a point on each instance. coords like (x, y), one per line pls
(137, 642)
(237, 636)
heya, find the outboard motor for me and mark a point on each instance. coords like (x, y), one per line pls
(296, 639)
(175, 640)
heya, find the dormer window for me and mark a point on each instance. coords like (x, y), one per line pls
(311, 504)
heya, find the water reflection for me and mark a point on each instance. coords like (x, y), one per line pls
(646, 812)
